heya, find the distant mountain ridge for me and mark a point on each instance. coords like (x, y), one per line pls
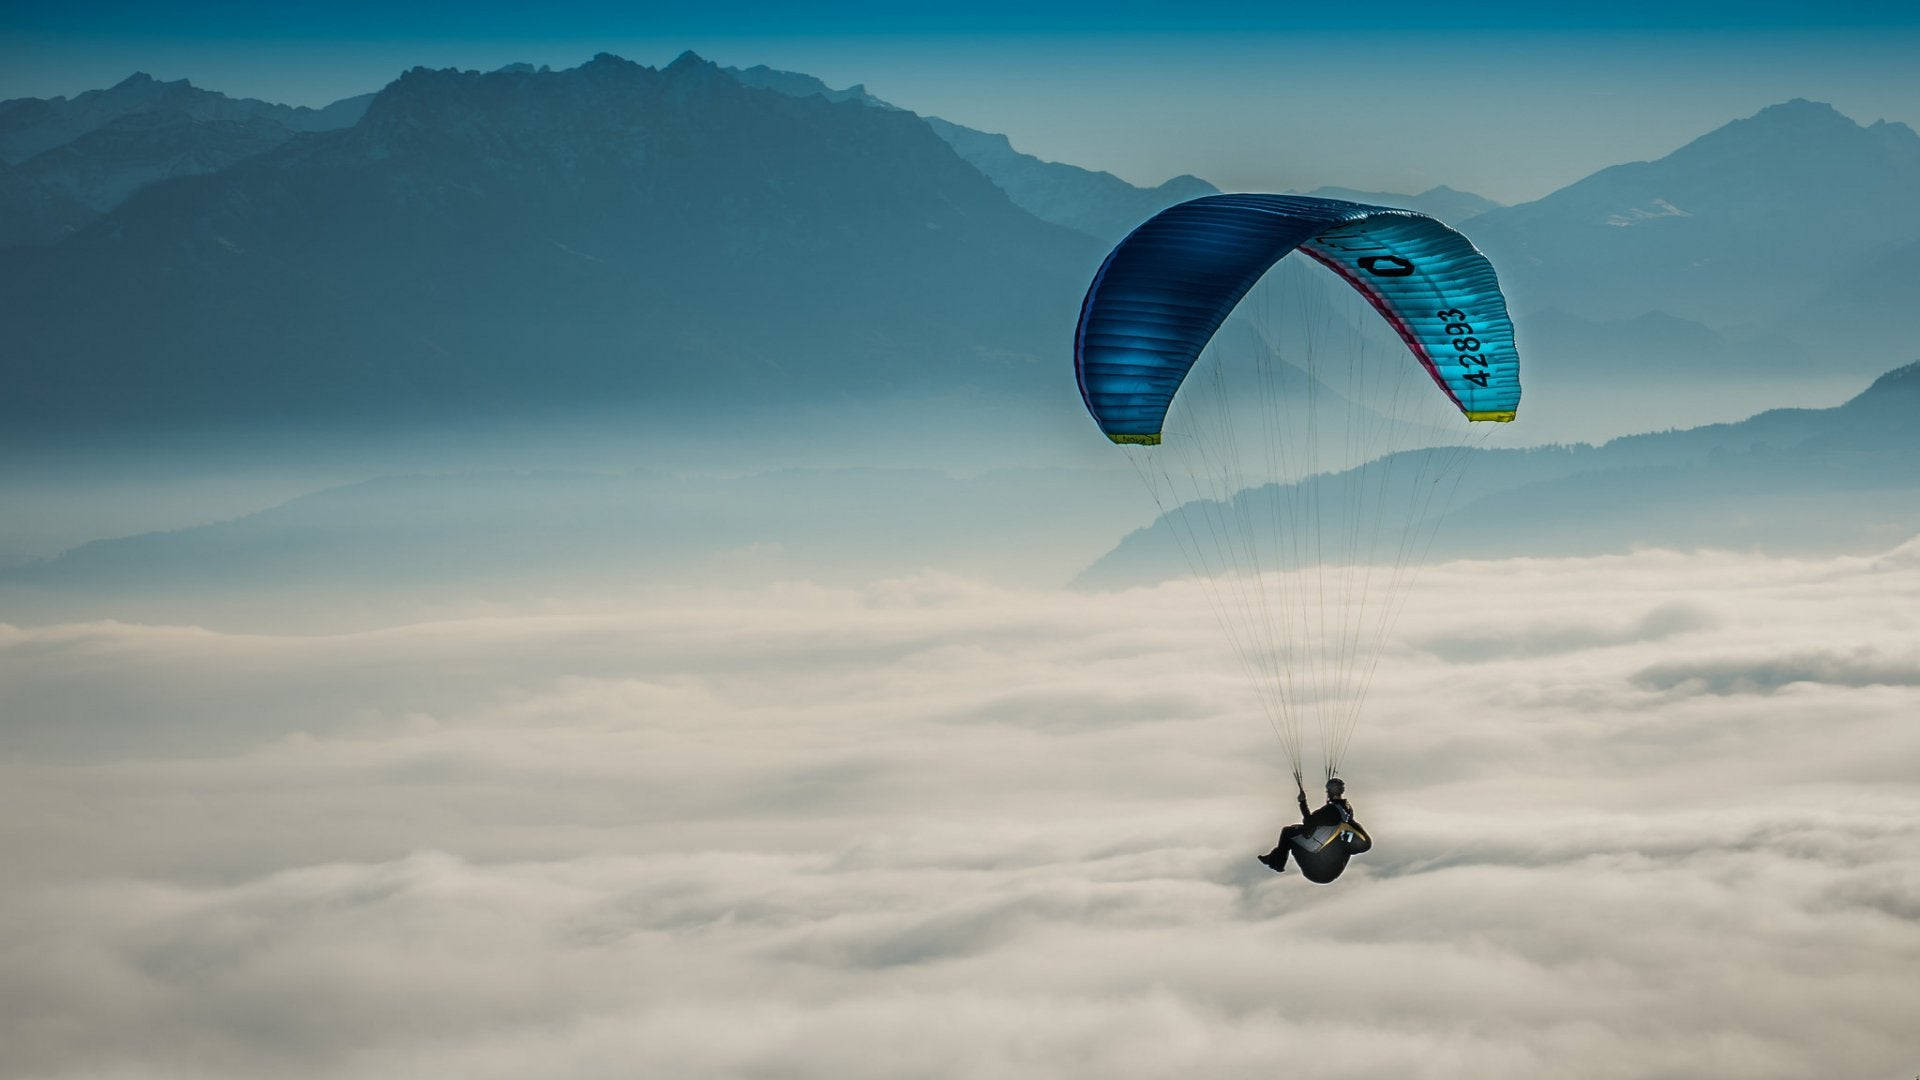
(1099, 204)
(497, 533)
(797, 84)
(30, 126)
(102, 167)
(70, 160)
(1769, 246)
(1785, 480)
(1734, 229)
(1567, 349)
(611, 236)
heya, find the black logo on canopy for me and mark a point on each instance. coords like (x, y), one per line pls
(1386, 265)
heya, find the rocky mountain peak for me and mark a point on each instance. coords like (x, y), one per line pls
(140, 87)
(1726, 230)
(1788, 131)
(1801, 112)
(608, 62)
(689, 61)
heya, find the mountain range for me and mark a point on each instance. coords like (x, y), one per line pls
(1742, 228)
(640, 241)
(707, 246)
(30, 126)
(64, 162)
(1099, 204)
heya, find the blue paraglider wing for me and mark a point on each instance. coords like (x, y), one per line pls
(1165, 290)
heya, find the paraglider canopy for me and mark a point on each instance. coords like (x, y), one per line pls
(1165, 290)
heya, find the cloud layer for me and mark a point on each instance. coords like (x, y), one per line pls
(1649, 815)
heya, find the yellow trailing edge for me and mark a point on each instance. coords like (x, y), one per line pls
(1497, 415)
(1154, 439)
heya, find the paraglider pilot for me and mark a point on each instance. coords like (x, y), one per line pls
(1336, 813)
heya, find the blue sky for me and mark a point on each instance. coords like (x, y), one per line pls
(1506, 99)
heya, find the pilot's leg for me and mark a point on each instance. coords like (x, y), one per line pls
(1276, 859)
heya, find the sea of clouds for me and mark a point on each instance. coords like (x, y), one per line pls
(1654, 815)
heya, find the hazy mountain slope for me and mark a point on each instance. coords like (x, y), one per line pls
(30, 126)
(798, 84)
(341, 114)
(33, 125)
(496, 534)
(1873, 303)
(1099, 204)
(99, 147)
(105, 165)
(1443, 202)
(611, 237)
(32, 212)
(1784, 480)
(1806, 481)
(1565, 350)
(1730, 229)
